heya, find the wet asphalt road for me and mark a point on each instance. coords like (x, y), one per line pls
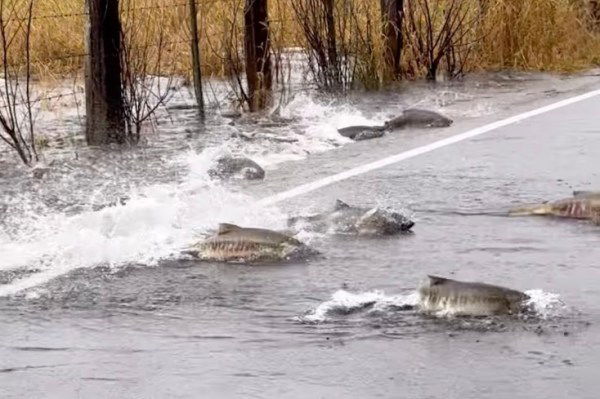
(209, 330)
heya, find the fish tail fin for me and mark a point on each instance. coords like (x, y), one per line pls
(193, 250)
(189, 251)
(596, 218)
(537, 209)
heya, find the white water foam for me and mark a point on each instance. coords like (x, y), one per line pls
(314, 130)
(344, 302)
(159, 220)
(545, 304)
(156, 223)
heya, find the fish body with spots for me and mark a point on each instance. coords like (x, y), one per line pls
(460, 298)
(347, 219)
(418, 118)
(583, 205)
(247, 244)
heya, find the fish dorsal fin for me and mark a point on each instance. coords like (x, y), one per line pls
(227, 227)
(372, 212)
(339, 204)
(434, 280)
(412, 110)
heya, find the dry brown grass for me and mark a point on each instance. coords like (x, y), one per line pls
(532, 34)
(58, 32)
(537, 35)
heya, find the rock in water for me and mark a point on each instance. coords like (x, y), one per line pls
(241, 167)
(39, 172)
(231, 114)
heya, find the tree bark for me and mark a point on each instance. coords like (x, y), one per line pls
(105, 114)
(196, 57)
(258, 57)
(392, 12)
(332, 54)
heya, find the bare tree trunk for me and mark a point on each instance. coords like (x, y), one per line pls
(105, 115)
(331, 41)
(257, 49)
(196, 57)
(392, 12)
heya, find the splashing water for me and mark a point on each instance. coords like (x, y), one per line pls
(544, 304)
(344, 302)
(156, 223)
(159, 220)
(314, 130)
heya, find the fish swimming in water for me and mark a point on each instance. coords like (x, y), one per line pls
(583, 205)
(420, 118)
(348, 219)
(245, 245)
(413, 117)
(459, 298)
(360, 132)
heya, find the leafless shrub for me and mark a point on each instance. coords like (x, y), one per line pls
(281, 56)
(233, 46)
(16, 105)
(325, 33)
(438, 30)
(146, 86)
(592, 14)
(363, 44)
(229, 50)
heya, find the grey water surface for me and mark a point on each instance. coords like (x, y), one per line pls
(184, 329)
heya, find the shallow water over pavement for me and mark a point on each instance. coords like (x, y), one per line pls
(156, 325)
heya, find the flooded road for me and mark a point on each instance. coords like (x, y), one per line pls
(83, 320)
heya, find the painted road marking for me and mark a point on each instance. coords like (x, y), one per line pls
(359, 170)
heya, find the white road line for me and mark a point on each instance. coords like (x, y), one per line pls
(359, 170)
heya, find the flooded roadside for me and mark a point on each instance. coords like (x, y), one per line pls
(99, 301)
